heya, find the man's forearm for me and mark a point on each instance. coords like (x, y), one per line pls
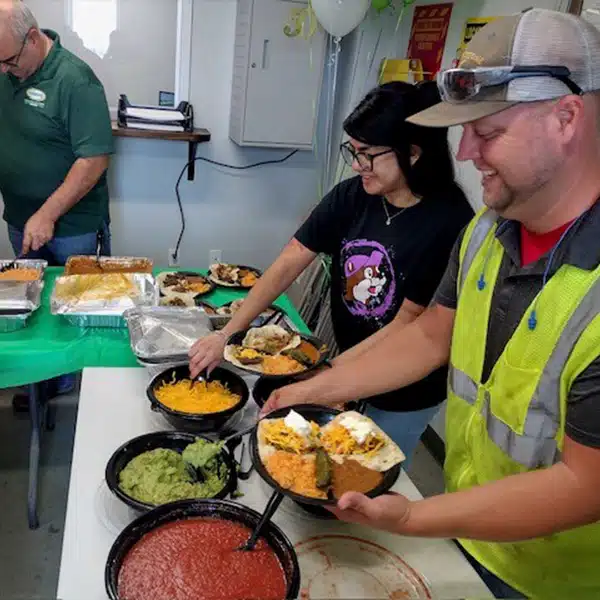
(82, 177)
(401, 358)
(519, 507)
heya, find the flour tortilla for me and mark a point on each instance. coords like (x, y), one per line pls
(229, 356)
(187, 299)
(389, 456)
(256, 337)
(212, 276)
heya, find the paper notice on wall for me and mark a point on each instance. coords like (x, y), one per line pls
(428, 36)
(472, 26)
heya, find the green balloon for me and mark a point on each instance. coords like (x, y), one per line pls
(380, 5)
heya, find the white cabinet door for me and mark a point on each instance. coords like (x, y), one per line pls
(283, 84)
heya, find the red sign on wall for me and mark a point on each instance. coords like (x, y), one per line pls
(428, 36)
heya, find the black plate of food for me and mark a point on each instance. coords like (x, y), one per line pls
(272, 351)
(240, 277)
(265, 386)
(298, 451)
(204, 407)
(221, 315)
(184, 283)
(166, 466)
(191, 545)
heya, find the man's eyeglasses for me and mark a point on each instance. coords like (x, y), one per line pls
(459, 85)
(364, 159)
(13, 61)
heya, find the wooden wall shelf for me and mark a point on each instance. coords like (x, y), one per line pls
(193, 138)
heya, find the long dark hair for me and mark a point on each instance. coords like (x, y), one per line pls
(380, 120)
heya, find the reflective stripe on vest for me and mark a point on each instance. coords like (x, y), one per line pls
(537, 446)
(478, 235)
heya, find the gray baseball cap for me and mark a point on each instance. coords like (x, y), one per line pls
(531, 38)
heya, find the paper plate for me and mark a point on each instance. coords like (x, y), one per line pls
(346, 567)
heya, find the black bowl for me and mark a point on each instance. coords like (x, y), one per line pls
(320, 415)
(185, 509)
(237, 338)
(265, 386)
(199, 423)
(171, 440)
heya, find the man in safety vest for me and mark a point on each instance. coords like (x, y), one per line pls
(517, 316)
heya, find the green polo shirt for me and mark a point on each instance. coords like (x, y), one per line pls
(47, 122)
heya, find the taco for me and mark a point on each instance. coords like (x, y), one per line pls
(271, 339)
(351, 435)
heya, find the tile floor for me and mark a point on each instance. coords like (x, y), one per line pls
(30, 560)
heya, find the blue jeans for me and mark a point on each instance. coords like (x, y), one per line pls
(497, 587)
(405, 428)
(56, 252)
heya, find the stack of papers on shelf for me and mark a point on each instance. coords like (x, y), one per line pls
(155, 118)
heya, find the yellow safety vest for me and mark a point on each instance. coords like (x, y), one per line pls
(515, 421)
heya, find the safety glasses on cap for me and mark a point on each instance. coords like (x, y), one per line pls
(459, 85)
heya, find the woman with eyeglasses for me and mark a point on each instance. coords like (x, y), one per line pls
(389, 231)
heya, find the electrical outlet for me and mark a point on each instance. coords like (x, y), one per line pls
(172, 259)
(214, 256)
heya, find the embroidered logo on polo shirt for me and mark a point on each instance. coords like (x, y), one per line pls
(35, 97)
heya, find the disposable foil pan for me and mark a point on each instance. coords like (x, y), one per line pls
(27, 263)
(18, 300)
(105, 313)
(10, 323)
(20, 295)
(163, 334)
(127, 264)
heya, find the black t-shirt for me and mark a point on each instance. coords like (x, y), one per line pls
(376, 266)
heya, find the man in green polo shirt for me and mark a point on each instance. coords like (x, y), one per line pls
(56, 141)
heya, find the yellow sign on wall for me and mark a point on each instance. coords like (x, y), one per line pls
(472, 26)
(401, 69)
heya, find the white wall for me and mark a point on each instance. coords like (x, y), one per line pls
(250, 215)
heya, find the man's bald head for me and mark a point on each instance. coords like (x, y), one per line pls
(16, 19)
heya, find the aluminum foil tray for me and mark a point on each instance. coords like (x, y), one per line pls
(164, 334)
(27, 263)
(8, 324)
(20, 295)
(109, 313)
(76, 265)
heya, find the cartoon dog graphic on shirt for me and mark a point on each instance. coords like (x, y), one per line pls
(364, 279)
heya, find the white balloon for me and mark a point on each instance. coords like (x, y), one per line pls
(340, 17)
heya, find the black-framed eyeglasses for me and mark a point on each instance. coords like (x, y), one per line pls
(364, 159)
(13, 61)
(459, 85)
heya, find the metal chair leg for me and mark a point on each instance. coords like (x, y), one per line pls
(36, 402)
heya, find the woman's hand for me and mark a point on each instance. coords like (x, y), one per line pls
(207, 353)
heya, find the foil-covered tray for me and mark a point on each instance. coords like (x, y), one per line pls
(20, 295)
(85, 265)
(25, 263)
(18, 300)
(163, 334)
(83, 312)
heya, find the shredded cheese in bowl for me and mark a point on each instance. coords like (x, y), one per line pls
(202, 398)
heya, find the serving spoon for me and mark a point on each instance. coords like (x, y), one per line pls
(272, 506)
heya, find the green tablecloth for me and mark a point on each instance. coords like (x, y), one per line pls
(49, 346)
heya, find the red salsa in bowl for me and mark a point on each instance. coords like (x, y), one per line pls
(197, 558)
(187, 550)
